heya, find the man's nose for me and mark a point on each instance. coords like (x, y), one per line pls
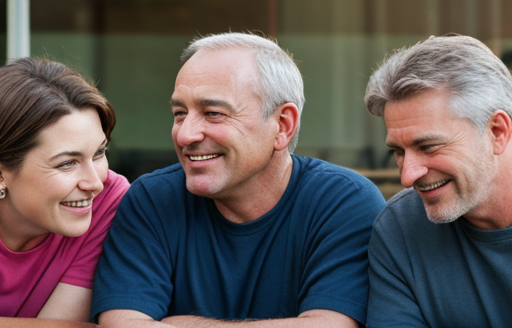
(411, 169)
(189, 131)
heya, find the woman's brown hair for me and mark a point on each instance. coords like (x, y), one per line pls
(35, 93)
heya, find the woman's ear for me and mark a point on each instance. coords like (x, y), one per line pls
(3, 185)
(4, 176)
(501, 128)
(288, 120)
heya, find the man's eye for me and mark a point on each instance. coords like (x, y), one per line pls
(427, 147)
(397, 152)
(213, 114)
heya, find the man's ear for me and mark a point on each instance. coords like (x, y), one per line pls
(288, 120)
(501, 129)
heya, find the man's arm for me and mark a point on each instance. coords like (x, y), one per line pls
(312, 318)
(43, 323)
(68, 302)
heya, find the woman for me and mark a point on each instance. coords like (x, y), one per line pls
(57, 195)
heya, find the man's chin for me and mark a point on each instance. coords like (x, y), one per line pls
(202, 189)
(439, 215)
(441, 220)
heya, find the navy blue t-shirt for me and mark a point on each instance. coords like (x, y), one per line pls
(170, 252)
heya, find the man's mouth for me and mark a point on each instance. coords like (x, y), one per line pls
(80, 203)
(431, 186)
(202, 157)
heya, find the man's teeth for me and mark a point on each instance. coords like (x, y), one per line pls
(203, 157)
(432, 186)
(81, 203)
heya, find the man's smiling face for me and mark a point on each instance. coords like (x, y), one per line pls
(444, 157)
(223, 143)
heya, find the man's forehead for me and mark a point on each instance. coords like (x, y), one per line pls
(230, 56)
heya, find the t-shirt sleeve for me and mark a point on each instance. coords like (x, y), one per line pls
(134, 271)
(336, 272)
(391, 301)
(81, 271)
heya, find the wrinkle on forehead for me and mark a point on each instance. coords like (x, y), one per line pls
(225, 75)
(233, 66)
(422, 118)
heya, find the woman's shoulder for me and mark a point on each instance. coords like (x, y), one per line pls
(115, 181)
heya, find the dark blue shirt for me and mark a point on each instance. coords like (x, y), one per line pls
(170, 252)
(424, 274)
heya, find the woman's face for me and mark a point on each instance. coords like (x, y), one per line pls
(54, 189)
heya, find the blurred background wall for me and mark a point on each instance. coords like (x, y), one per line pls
(130, 49)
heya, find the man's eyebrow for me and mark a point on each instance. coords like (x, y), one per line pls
(427, 139)
(177, 103)
(204, 103)
(215, 103)
(420, 141)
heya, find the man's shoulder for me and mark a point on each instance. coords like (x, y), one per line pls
(403, 205)
(408, 196)
(319, 183)
(161, 181)
(405, 214)
(173, 173)
(320, 169)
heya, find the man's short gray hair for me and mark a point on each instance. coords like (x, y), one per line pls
(478, 81)
(281, 80)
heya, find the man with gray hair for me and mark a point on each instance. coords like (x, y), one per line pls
(240, 233)
(441, 251)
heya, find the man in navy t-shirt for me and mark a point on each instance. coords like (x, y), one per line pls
(240, 232)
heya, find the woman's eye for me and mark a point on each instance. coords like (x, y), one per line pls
(66, 164)
(100, 153)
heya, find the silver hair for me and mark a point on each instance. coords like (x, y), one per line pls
(477, 80)
(281, 80)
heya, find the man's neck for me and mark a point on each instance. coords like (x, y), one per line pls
(499, 218)
(262, 196)
(495, 213)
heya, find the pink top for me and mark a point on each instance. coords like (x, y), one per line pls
(27, 279)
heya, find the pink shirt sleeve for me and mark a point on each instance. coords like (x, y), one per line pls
(81, 271)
